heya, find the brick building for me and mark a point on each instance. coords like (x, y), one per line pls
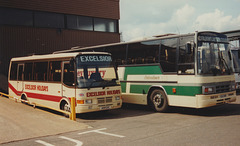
(40, 27)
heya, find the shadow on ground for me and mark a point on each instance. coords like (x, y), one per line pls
(131, 110)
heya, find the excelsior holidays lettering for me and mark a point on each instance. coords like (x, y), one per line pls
(36, 87)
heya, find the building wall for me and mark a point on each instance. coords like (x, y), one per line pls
(97, 8)
(20, 41)
(24, 40)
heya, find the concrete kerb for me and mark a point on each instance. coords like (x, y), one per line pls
(22, 122)
(71, 115)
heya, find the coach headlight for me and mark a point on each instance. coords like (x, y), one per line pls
(117, 97)
(208, 89)
(88, 101)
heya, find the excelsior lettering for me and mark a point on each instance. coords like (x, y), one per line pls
(30, 87)
(95, 58)
(92, 94)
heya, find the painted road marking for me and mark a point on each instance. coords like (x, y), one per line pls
(43, 143)
(78, 143)
(101, 132)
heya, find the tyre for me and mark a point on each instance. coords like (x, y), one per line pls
(159, 100)
(24, 99)
(66, 108)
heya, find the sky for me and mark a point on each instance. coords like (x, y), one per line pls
(140, 19)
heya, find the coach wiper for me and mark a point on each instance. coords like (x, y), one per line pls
(224, 63)
(108, 82)
(90, 86)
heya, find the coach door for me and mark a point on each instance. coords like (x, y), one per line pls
(68, 86)
(20, 77)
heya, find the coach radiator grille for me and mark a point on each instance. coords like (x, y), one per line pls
(223, 88)
(108, 99)
(101, 100)
(104, 100)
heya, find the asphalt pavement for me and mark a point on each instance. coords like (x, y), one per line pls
(20, 122)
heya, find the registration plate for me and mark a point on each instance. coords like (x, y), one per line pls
(222, 96)
(105, 107)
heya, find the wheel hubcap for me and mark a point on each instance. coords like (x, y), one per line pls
(66, 108)
(157, 99)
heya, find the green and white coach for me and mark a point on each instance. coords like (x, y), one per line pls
(188, 70)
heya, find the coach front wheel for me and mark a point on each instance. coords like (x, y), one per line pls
(159, 100)
(64, 106)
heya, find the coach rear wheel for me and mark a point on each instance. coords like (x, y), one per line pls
(24, 99)
(159, 100)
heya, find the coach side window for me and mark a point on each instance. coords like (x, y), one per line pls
(13, 72)
(151, 54)
(20, 72)
(145, 52)
(68, 74)
(168, 54)
(136, 53)
(28, 68)
(40, 71)
(118, 53)
(54, 71)
(186, 59)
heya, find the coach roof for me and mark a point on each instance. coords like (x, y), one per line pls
(54, 56)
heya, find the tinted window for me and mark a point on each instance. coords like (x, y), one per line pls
(68, 76)
(143, 52)
(72, 21)
(28, 71)
(105, 25)
(54, 73)
(20, 72)
(16, 17)
(186, 59)
(40, 71)
(79, 22)
(13, 72)
(10, 16)
(168, 55)
(118, 53)
(44, 19)
(236, 60)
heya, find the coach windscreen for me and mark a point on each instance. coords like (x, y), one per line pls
(95, 70)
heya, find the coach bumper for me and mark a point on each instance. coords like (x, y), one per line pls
(215, 99)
